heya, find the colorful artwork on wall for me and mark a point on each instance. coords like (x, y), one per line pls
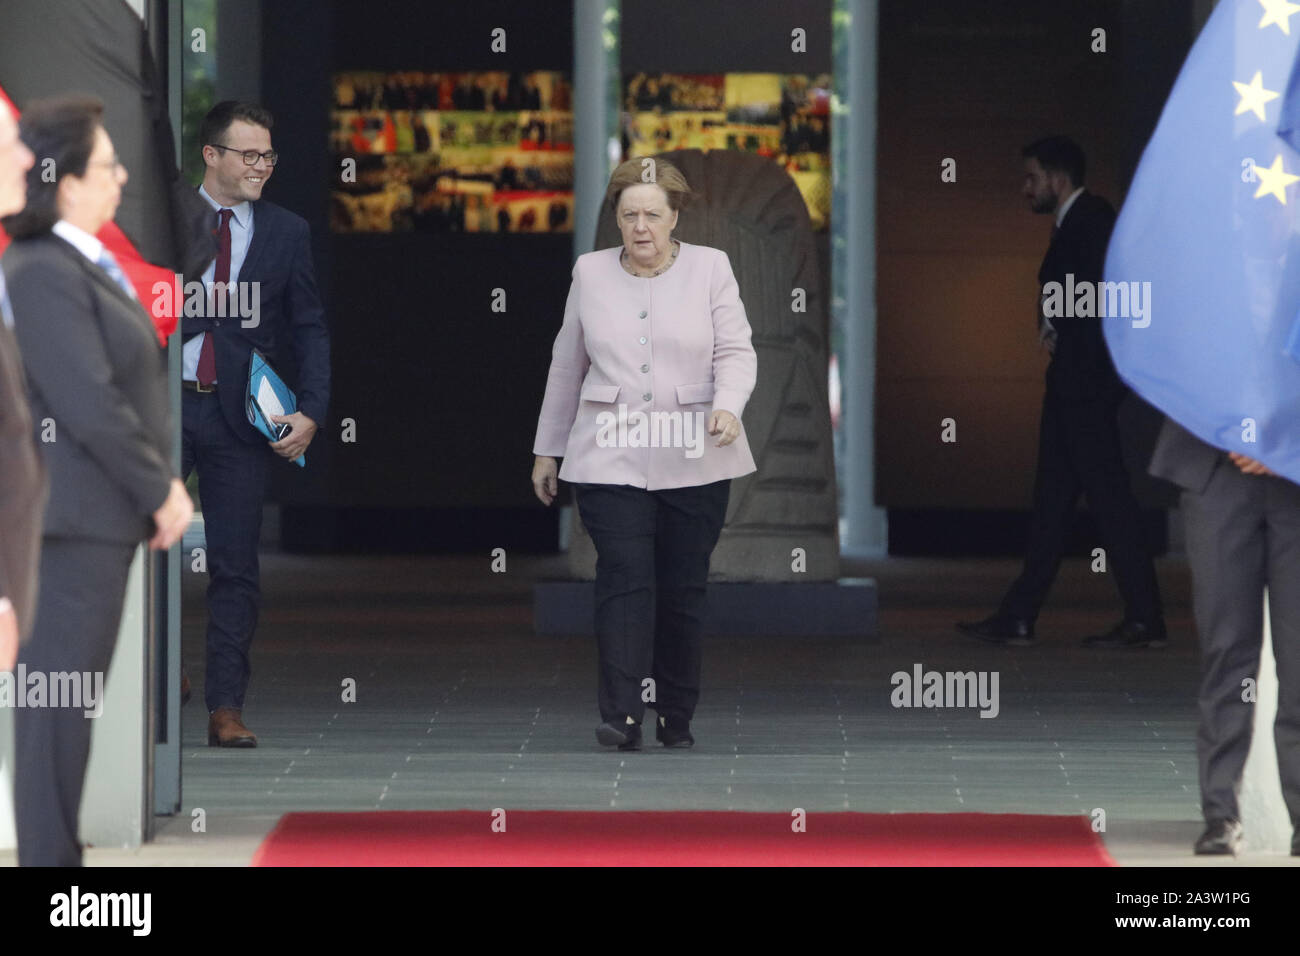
(452, 152)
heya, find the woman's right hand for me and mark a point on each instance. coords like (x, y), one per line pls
(173, 517)
(545, 479)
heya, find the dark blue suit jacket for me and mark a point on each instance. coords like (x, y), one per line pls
(290, 330)
(1081, 368)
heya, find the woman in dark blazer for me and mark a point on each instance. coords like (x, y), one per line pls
(97, 383)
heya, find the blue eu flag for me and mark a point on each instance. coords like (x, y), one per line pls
(1208, 243)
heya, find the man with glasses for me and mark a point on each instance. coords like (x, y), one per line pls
(261, 295)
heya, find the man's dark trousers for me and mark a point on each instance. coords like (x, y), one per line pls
(1079, 452)
(1243, 534)
(232, 479)
(652, 570)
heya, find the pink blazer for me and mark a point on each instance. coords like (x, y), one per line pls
(637, 368)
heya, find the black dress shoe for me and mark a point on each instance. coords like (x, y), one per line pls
(619, 733)
(1221, 838)
(674, 732)
(1001, 629)
(1130, 634)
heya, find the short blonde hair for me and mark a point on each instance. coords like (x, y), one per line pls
(650, 171)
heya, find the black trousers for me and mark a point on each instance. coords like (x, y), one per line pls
(1079, 452)
(78, 610)
(1243, 534)
(652, 569)
(232, 484)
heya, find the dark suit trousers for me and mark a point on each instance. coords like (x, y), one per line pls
(1243, 534)
(78, 610)
(652, 571)
(232, 483)
(1079, 452)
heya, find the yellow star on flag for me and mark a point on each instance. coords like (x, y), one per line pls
(1274, 179)
(1278, 12)
(1253, 96)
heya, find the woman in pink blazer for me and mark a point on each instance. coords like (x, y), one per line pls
(649, 378)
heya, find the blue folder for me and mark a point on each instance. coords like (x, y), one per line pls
(259, 372)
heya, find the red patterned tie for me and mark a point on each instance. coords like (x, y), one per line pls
(207, 371)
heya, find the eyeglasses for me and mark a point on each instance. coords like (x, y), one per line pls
(113, 165)
(251, 155)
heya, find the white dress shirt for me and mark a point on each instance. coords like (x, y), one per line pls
(1065, 206)
(84, 242)
(241, 236)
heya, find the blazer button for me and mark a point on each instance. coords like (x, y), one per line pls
(642, 340)
(645, 368)
(646, 396)
(642, 315)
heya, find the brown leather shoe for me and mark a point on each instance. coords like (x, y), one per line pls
(226, 729)
(186, 692)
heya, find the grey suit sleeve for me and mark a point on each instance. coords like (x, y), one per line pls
(10, 431)
(1182, 458)
(68, 365)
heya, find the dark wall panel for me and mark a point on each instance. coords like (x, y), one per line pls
(723, 36)
(975, 80)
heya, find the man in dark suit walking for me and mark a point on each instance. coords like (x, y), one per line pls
(23, 481)
(1243, 535)
(1078, 441)
(264, 259)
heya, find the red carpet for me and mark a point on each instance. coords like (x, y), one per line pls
(627, 838)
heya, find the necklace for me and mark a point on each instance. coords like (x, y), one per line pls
(627, 263)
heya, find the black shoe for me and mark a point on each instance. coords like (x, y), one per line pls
(1221, 838)
(619, 733)
(674, 732)
(1001, 629)
(1295, 842)
(1130, 634)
